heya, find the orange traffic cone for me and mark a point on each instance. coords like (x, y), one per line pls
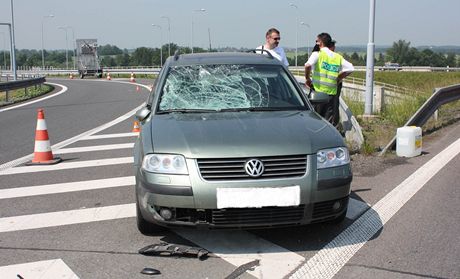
(108, 76)
(136, 127)
(132, 78)
(138, 88)
(42, 150)
(71, 76)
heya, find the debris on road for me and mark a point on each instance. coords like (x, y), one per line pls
(166, 249)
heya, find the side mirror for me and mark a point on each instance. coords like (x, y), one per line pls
(318, 97)
(142, 114)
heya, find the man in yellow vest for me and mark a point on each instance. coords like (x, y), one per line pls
(329, 68)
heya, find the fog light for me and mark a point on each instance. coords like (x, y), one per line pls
(336, 206)
(166, 213)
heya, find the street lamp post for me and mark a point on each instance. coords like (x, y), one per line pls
(66, 47)
(296, 29)
(308, 43)
(169, 34)
(43, 54)
(161, 43)
(191, 40)
(73, 46)
(13, 45)
(370, 62)
(4, 50)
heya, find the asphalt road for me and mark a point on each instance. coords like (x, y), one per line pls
(50, 215)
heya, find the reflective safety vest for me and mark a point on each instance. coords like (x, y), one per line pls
(326, 72)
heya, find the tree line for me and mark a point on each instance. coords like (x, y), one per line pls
(111, 56)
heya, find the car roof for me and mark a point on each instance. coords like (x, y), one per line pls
(222, 58)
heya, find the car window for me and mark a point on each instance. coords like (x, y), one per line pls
(222, 87)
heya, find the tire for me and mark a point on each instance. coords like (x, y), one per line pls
(144, 226)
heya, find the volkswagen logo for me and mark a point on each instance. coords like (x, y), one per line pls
(254, 168)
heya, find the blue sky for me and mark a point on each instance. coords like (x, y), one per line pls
(236, 23)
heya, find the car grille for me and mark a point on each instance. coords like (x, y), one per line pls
(255, 216)
(233, 168)
(325, 209)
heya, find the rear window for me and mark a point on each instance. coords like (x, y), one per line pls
(219, 87)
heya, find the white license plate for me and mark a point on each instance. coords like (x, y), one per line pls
(258, 197)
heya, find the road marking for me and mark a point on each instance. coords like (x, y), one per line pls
(66, 187)
(64, 89)
(69, 217)
(109, 136)
(43, 269)
(330, 259)
(240, 247)
(65, 166)
(94, 148)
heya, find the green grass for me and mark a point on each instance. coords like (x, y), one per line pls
(379, 131)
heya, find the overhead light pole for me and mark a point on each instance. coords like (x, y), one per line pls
(66, 47)
(4, 49)
(169, 34)
(161, 43)
(73, 46)
(370, 62)
(43, 47)
(296, 29)
(308, 42)
(191, 40)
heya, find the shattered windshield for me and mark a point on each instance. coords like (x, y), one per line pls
(228, 87)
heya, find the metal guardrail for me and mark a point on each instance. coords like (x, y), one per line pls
(19, 84)
(440, 97)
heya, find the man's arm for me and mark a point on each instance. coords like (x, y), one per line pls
(307, 75)
(347, 69)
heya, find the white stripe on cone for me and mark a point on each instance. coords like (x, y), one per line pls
(41, 124)
(42, 146)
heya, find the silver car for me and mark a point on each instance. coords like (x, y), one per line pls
(230, 140)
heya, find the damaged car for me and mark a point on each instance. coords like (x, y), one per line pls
(230, 140)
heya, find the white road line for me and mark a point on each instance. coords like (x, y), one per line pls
(94, 148)
(329, 260)
(109, 136)
(240, 247)
(61, 218)
(64, 89)
(65, 166)
(66, 187)
(43, 269)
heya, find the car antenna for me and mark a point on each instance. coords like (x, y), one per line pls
(176, 55)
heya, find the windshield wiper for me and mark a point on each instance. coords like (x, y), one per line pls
(276, 108)
(185, 111)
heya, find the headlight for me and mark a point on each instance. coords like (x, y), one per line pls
(165, 163)
(333, 157)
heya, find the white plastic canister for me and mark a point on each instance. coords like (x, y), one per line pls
(408, 141)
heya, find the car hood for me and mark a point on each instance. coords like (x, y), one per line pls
(242, 134)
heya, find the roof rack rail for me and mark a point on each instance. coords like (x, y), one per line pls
(261, 51)
(176, 55)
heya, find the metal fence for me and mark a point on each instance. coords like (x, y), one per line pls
(8, 86)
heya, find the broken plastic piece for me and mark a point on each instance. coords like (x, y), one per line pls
(166, 249)
(150, 271)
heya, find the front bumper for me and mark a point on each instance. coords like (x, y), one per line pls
(324, 197)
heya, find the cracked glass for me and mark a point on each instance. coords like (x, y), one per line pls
(228, 87)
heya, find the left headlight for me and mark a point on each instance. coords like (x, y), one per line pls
(332, 157)
(165, 163)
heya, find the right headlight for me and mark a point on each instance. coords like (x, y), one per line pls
(165, 163)
(332, 157)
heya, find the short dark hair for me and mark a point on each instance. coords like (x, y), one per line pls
(272, 30)
(332, 44)
(325, 38)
